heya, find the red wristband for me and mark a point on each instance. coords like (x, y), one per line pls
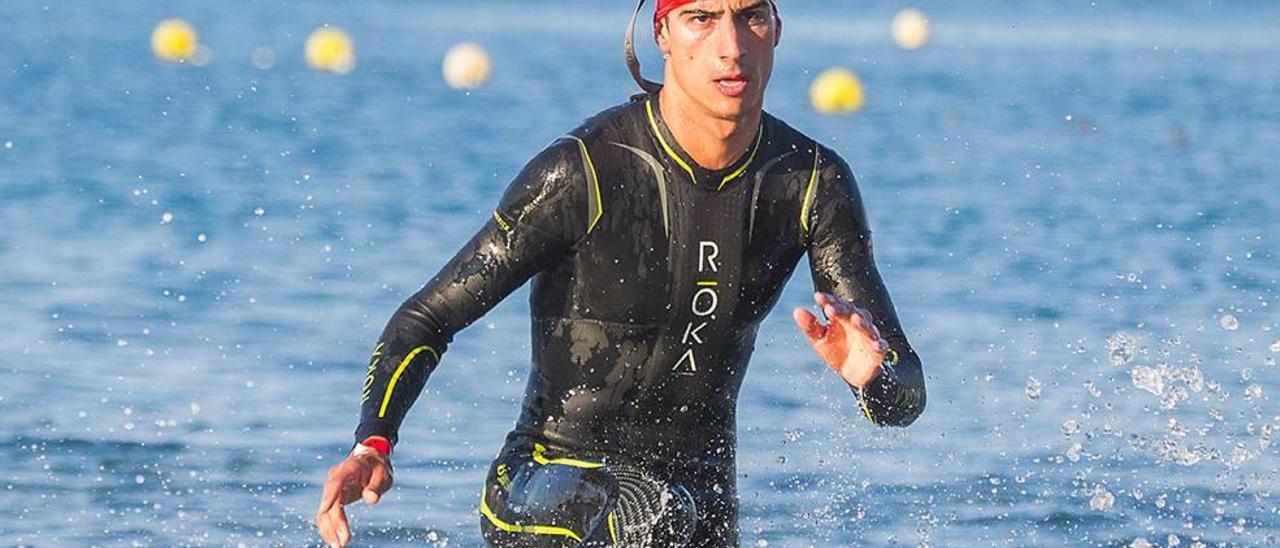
(381, 445)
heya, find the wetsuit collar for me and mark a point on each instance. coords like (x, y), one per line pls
(709, 179)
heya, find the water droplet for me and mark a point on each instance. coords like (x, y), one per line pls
(1070, 427)
(138, 479)
(1147, 379)
(1229, 322)
(1102, 499)
(166, 218)
(1121, 347)
(1173, 396)
(201, 237)
(1073, 452)
(792, 436)
(1033, 388)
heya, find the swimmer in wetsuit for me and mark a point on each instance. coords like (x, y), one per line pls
(658, 235)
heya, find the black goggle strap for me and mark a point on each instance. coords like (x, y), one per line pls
(633, 63)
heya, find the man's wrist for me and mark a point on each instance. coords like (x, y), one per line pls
(374, 444)
(889, 359)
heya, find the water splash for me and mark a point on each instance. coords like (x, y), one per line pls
(1033, 388)
(1121, 347)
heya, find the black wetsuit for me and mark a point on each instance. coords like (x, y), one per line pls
(651, 276)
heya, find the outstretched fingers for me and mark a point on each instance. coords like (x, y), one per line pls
(834, 306)
(837, 308)
(868, 323)
(809, 324)
(342, 529)
(331, 518)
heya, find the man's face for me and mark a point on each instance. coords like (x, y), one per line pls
(720, 53)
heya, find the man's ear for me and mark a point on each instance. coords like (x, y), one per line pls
(660, 34)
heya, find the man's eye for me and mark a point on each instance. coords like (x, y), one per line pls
(757, 18)
(701, 18)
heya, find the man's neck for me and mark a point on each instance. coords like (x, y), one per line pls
(714, 143)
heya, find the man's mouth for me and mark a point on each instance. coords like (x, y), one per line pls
(732, 85)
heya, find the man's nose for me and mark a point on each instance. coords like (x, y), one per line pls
(729, 40)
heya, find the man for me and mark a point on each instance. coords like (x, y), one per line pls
(658, 235)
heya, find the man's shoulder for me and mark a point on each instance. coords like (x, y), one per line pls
(569, 147)
(786, 135)
(613, 123)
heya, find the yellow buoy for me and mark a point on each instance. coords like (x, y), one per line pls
(174, 40)
(466, 66)
(836, 91)
(330, 49)
(911, 29)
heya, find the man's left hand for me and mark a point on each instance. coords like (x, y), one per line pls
(849, 343)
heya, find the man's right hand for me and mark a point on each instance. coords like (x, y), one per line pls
(364, 475)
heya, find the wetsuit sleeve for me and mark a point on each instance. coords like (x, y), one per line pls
(841, 262)
(538, 220)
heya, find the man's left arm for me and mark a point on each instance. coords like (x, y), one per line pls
(872, 350)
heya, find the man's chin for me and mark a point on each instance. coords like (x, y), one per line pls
(733, 108)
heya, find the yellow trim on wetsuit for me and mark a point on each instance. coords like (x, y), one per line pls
(540, 457)
(391, 386)
(517, 528)
(613, 529)
(501, 222)
(808, 193)
(648, 105)
(594, 181)
(653, 122)
(743, 168)
(892, 357)
(867, 410)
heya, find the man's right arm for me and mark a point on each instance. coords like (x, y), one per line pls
(540, 217)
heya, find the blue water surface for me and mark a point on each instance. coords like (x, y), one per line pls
(1074, 206)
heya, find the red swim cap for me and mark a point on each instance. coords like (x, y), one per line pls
(667, 6)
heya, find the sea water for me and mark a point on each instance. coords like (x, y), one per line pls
(1074, 208)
